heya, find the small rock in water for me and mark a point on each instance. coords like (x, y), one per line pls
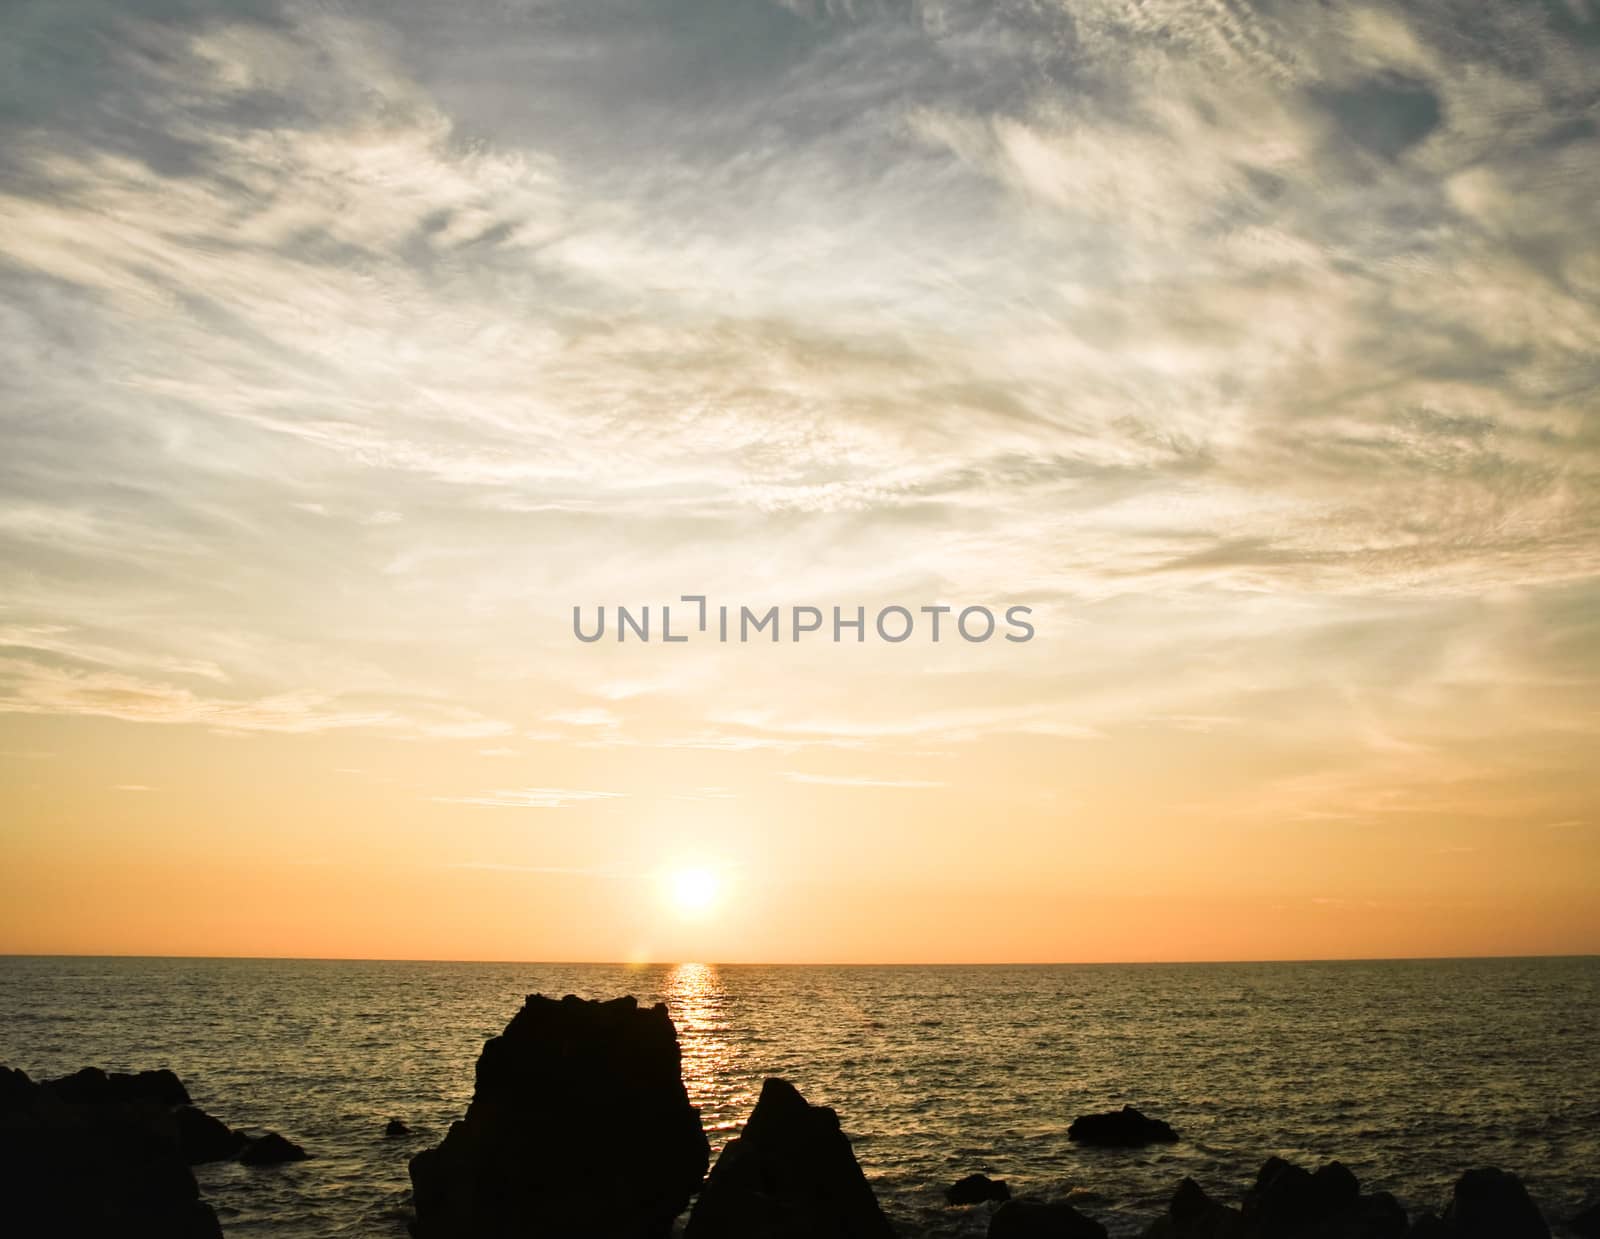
(1032, 1219)
(1126, 1128)
(394, 1129)
(975, 1189)
(272, 1150)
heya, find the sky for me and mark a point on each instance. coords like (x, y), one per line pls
(346, 348)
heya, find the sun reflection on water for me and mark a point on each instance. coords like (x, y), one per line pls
(698, 1004)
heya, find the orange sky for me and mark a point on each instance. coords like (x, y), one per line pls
(1126, 846)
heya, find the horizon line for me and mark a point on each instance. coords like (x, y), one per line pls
(676, 963)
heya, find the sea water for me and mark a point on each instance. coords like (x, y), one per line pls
(1407, 1071)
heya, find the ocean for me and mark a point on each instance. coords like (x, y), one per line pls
(1407, 1071)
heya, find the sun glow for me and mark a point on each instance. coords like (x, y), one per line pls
(693, 892)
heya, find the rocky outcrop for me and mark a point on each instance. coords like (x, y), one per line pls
(1032, 1219)
(93, 1087)
(790, 1174)
(1492, 1204)
(1126, 1128)
(1289, 1202)
(1191, 1214)
(975, 1189)
(97, 1157)
(1285, 1202)
(1585, 1224)
(579, 1126)
(202, 1138)
(1286, 1197)
(97, 1154)
(395, 1129)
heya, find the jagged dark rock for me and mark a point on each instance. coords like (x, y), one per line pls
(161, 1098)
(395, 1129)
(790, 1174)
(1032, 1219)
(579, 1127)
(1586, 1223)
(1283, 1199)
(1191, 1214)
(93, 1087)
(1126, 1128)
(97, 1159)
(975, 1189)
(202, 1138)
(271, 1150)
(1288, 1200)
(1285, 1202)
(1492, 1204)
(1378, 1216)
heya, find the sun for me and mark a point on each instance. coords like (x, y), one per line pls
(693, 892)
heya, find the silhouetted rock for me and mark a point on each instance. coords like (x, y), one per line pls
(1287, 1199)
(975, 1189)
(1285, 1202)
(93, 1087)
(790, 1174)
(16, 1090)
(1288, 1202)
(1192, 1214)
(1032, 1219)
(1378, 1216)
(97, 1159)
(1586, 1224)
(579, 1127)
(1126, 1128)
(394, 1129)
(1492, 1204)
(271, 1150)
(1283, 1198)
(202, 1138)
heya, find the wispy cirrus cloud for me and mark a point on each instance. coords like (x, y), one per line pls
(1256, 343)
(859, 780)
(29, 686)
(531, 798)
(576, 871)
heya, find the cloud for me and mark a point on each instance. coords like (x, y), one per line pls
(856, 780)
(589, 717)
(498, 867)
(1257, 341)
(32, 687)
(531, 798)
(707, 793)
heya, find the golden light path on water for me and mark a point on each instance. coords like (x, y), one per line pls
(698, 1005)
